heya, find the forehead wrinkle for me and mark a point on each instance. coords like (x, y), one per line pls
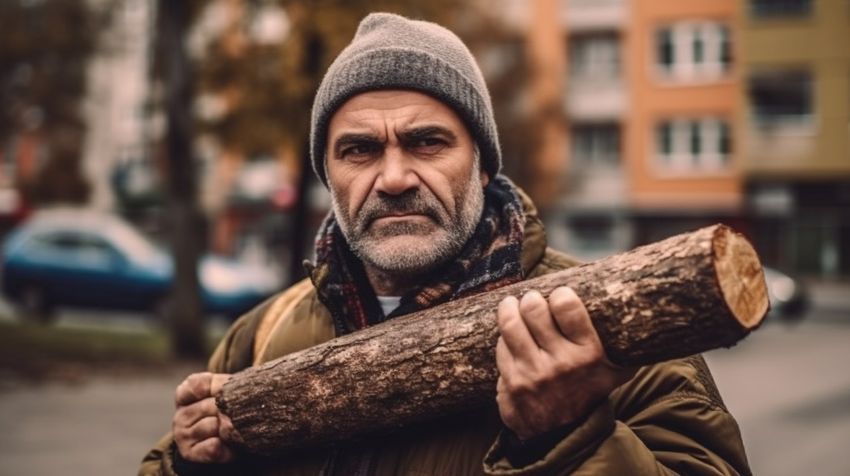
(415, 122)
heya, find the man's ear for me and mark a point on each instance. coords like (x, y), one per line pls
(485, 179)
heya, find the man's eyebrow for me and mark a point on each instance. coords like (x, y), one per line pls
(353, 138)
(422, 132)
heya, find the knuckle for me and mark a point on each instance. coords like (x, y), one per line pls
(507, 411)
(180, 436)
(208, 406)
(180, 418)
(197, 382)
(553, 374)
(215, 449)
(595, 354)
(520, 386)
(591, 355)
(563, 366)
(227, 431)
(183, 449)
(500, 385)
(181, 392)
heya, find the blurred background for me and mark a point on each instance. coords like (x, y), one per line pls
(155, 183)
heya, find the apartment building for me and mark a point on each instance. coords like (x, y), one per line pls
(680, 143)
(654, 104)
(797, 148)
(593, 218)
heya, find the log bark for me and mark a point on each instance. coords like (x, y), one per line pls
(678, 297)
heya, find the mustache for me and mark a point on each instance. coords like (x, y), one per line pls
(407, 203)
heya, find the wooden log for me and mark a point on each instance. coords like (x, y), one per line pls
(678, 297)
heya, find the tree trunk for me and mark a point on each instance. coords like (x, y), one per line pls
(681, 296)
(184, 311)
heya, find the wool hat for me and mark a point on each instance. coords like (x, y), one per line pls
(393, 52)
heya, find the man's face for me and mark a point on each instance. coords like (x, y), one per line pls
(405, 181)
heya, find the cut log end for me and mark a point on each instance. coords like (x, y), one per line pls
(740, 276)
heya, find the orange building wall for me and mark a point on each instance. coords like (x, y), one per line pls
(653, 100)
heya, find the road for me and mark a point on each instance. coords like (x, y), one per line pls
(788, 386)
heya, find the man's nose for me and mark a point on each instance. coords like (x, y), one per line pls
(397, 174)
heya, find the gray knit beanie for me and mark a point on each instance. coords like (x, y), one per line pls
(392, 52)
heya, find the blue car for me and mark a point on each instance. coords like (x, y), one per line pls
(86, 259)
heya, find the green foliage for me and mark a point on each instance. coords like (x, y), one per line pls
(30, 341)
(35, 351)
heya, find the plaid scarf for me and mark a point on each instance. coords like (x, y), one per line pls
(489, 260)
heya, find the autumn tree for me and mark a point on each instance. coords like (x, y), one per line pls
(265, 87)
(44, 51)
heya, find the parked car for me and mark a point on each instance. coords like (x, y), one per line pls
(87, 259)
(789, 299)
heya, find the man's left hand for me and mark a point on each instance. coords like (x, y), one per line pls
(552, 366)
(200, 430)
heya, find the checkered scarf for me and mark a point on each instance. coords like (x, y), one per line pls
(489, 260)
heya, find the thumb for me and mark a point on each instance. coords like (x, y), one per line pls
(217, 382)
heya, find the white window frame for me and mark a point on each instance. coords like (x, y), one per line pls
(684, 69)
(596, 57)
(596, 157)
(681, 161)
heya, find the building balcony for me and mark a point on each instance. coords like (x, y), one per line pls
(596, 188)
(783, 148)
(596, 99)
(591, 15)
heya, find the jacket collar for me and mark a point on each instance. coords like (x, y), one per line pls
(534, 240)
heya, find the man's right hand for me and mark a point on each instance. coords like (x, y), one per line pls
(198, 426)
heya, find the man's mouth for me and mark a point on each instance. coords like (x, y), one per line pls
(401, 217)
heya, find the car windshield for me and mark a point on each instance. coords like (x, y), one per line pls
(137, 248)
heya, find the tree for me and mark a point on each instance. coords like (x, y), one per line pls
(687, 294)
(267, 88)
(44, 52)
(186, 223)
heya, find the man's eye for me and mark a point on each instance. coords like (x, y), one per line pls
(358, 150)
(428, 145)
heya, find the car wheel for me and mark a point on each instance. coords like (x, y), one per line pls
(35, 306)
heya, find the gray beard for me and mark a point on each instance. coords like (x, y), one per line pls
(439, 246)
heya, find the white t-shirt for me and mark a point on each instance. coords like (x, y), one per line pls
(389, 303)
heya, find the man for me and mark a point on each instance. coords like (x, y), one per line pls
(403, 136)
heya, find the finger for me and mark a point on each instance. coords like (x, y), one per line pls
(188, 415)
(513, 330)
(534, 310)
(227, 432)
(212, 450)
(504, 359)
(195, 387)
(572, 317)
(204, 428)
(216, 382)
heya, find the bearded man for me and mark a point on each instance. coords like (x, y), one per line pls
(403, 137)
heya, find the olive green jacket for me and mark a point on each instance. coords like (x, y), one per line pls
(669, 419)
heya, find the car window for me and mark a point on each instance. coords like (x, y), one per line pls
(76, 246)
(57, 242)
(133, 244)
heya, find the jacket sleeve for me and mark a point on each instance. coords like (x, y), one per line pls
(669, 419)
(232, 354)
